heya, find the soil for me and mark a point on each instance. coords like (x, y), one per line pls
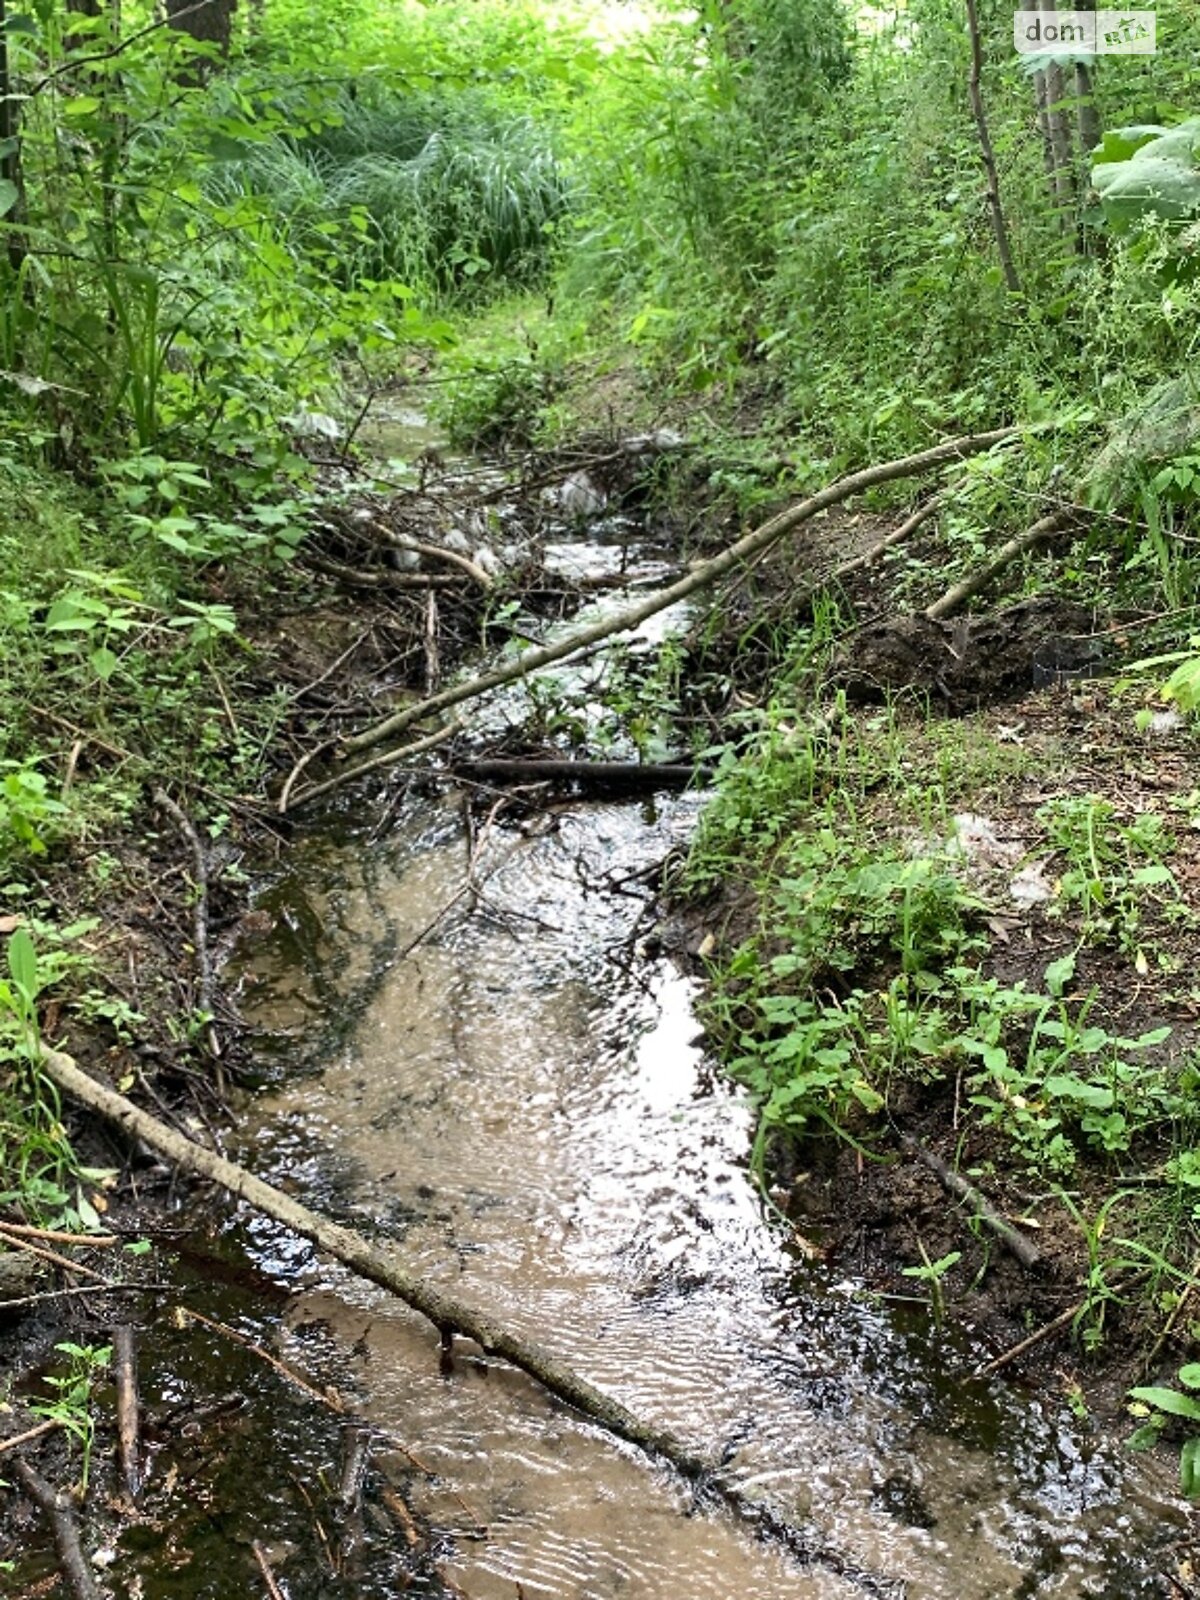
(345, 639)
(875, 1207)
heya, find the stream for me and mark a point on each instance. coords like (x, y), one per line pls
(498, 1077)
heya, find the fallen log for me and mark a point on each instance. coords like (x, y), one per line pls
(451, 1316)
(642, 776)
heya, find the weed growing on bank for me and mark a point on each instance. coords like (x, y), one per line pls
(915, 942)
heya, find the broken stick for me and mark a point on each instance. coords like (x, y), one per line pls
(128, 1422)
(452, 1316)
(1017, 1245)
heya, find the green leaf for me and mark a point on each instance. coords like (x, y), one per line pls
(1189, 1468)
(1189, 1376)
(1059, 974)
(1118, 144)
(1067, 1086)
(9, 195)
(1145, 1437)
(104, 663)
(1160, 178)
(81, 105)
(22, 962)
(1170, 1401)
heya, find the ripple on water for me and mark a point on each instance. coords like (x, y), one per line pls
(528, 1112)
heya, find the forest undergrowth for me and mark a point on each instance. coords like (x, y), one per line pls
(765, 230)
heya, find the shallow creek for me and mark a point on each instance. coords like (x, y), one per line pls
(514, 1093)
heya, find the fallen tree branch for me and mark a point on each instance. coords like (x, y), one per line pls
(200, 955)
(124, 1360)
(376, 764)
(451, 1316)
(645, 775)
(1040, 533)
(55, 1259)
(897, 536)
(59, 1512)
(435, 552)
(1017, 1245)
(94, 1241)
(700, 577)
(1039, 1335)
(384, 578)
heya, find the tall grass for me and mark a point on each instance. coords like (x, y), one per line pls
(449, 194)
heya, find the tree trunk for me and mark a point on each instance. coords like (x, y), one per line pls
(1088, 117)
(1061, 143)
(988, 155)
(1042, 95)
(207, 21)
(13, 210)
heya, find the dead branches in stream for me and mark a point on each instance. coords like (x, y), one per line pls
(451, 1316)
(702, 576)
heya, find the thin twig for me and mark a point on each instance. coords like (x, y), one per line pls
(90, 1289)
(390, 758)
(1063, 1320)
(264, 1566)
(298, 694)
(95, 1241)
(203, 963)
(29, 1435)
(57, 1260)
(326, 1398)
(897, 536)
(117, 49)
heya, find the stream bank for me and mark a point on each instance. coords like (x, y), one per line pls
(517, 1099)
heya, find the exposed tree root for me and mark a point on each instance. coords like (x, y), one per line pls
(451, 1316)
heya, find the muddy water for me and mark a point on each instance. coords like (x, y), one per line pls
(520, 1103)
